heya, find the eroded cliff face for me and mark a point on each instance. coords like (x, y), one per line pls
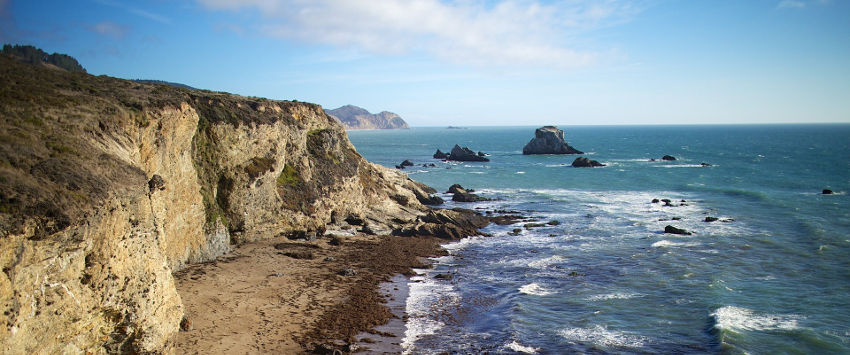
(109, 186)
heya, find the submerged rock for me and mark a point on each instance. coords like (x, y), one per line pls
(549, 140)
(582, 162)
(668, 158)
(827, 192)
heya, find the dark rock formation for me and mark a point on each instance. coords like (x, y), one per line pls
(704, 164)
(827, 192)
(406, 163)
(673, 230)
(711, 219)
(507, 219)
(655, 200)
(549, 140)
(353, 117)
(156, 183)
(668, 158)
(451, 224)
(427, 199)
(456, 188)
(440, 155)
(582, 162)
(468, 197)
(464, 154)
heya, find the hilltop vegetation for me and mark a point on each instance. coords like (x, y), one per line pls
(34, 55)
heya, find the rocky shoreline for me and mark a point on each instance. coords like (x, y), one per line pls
(309, 296)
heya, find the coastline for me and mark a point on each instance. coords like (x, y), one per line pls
(259, 300)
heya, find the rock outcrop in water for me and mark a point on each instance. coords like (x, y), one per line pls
(582, 162)
(107, 186)
(459, 153)
(549, 140)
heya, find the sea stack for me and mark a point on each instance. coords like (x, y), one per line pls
(549, 140)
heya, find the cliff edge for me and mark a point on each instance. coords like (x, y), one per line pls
(108, 186)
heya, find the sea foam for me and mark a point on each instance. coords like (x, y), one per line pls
(521, 348)
(738, 318)
(602, 336)
(534, 289)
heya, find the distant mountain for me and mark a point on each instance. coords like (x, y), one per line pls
(34, 55)
(353, 117)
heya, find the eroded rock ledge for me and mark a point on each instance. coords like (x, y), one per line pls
(109, 186)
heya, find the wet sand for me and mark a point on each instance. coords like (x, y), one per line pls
(282, 296)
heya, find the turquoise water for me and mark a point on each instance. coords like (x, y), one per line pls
(773, 278)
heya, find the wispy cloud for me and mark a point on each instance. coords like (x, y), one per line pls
(506, 32)
(136, 11)
(800, 4)
(791, 4)
(109, 29)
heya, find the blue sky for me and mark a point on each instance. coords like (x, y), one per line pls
(475, 62)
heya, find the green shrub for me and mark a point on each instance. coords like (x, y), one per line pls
(288, 177)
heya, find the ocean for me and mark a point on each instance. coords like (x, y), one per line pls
(771, 275)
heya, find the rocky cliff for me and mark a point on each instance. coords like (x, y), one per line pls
(107, 186)
(353, 117)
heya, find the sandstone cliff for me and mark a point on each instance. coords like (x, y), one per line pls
(353, 117)
(107, 186)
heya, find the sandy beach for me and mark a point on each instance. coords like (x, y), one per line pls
(283, 296)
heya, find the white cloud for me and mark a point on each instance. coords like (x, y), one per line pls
(136, 11)
(109, 29)
(507, 32)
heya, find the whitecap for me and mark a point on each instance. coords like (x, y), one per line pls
(542, 263)
(534, 289)
(601, 336)
(738, 318)
(613, 296)
(520, 172)
(669, 244)
(521, 348)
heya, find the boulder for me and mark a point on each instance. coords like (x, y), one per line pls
(704, 164)
(440, 155)
(465, 154)
(582, 162)
(451, 224)
(427, 199)
(673, 230)
(711, 219)
(468, 197)
(406, 163)
(827, 192)
(456, 188)
(549, 140)
(668, 158)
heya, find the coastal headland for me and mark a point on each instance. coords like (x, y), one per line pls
(131, 210)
